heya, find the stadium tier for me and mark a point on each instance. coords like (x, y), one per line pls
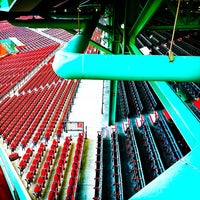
(55, 138)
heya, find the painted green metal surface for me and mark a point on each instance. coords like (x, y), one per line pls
(43, 23)
(126, 67)
(172, 9)
(178, 27)
(187, 123)
(179, 182)
(146, 14)
(101, 48)
(113, 101)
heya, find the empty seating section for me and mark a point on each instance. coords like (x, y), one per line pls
(178, 50)
(145, 41)
(20, 65)
(40, 112)
(159, 43)
(154, 159)
(59, 170)
(56, 101)
(135, 162)
(191, 88)
(46, 168)
(67, 107)
(31, 39)
(169, 143)
(60, 34)
(25, 126)
(25, 159)
(148, 97)
(195, 110)
(188, 47)
(135, 98)
(12, 118)
(99, 167)
(34, 165)
(96, 38)
(73, 181)
(123, 99)
(117, 175)
(45, 75)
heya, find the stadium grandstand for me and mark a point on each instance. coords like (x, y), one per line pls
(99, 99)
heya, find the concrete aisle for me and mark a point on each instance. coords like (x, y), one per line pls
(87, 107)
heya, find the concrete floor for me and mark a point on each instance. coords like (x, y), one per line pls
(88, 108)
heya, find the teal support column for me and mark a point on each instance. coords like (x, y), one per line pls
(116, 50)
(113, 101)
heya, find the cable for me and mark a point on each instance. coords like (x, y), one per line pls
(78, 20)
(171, 55)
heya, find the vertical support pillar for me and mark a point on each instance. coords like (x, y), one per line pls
(113, 101)
(116, 50)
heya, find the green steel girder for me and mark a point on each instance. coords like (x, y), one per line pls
(100, 47)
(113, 102)
(187, 123)
(134, 50)
(172, 9)
(105, 28)
(147, 12)
(50, 23)
(178, 27)
(188, 12)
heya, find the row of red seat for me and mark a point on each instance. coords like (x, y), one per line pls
(45, 170)
(135, 161)
(35, 163)
(118, 190)
(31, 39)
(12, 120)
(68, 107)
(60, 34)
(4, 102)
(99, 167)
(123, 100)
(58, 110)
(25, 159)
(21, 65)
(71, 190)
(29, 126)
(60, 168)
(10, 111)
(40, 113)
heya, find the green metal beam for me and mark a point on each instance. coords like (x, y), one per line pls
(113, 102)
(107, 29)
(100, 47)
(172, 9)
(46, 23)
(146, 14)
(134, 50)
(178, 27)
(187, 123)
